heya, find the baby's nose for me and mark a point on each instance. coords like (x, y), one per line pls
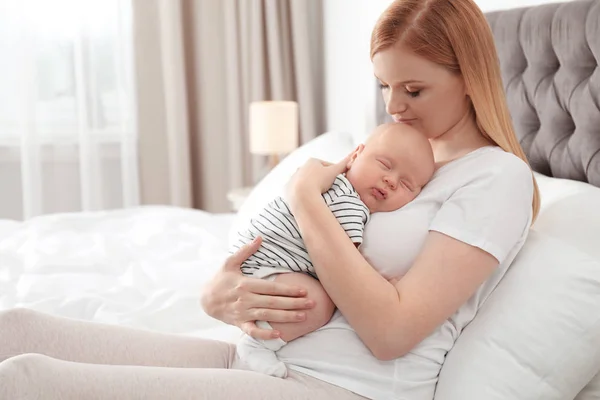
(390, 182)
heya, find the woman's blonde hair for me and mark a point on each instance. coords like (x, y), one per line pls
(456, 35)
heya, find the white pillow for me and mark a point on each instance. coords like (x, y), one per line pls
(538, 334)
(556, 189)
(570, 211)
(330, 146)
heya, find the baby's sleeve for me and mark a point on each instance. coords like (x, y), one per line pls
(352, 214)
(492, 211)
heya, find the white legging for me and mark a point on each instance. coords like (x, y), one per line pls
(48, 357)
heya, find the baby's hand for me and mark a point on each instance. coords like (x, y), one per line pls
(313, 178)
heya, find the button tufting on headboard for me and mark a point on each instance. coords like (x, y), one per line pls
(549, 56)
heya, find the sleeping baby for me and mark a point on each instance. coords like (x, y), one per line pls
(384, 174)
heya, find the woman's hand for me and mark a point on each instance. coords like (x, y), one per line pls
(239, 300)
(314, 177)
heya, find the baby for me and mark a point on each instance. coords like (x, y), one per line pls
(384, 174)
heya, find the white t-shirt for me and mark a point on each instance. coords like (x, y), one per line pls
(483, 199)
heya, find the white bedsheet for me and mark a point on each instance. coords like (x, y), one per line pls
(140, 267)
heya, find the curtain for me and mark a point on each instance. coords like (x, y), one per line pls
(206, 62)
(67, 127)
(117, 103)
(272, 53)
(162, 103)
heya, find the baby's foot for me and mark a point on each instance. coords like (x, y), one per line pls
(262, 360)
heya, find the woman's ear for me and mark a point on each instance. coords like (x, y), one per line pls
(355, 154)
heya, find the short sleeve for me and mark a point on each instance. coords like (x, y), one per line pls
(491, 212)
(351, 213)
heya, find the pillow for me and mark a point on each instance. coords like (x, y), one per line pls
(330, 146)
(556, 189)
(538, 334)
(570, 211)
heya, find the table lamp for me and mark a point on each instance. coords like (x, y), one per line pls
(273, 128)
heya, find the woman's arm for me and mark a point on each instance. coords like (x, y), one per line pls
(390, 319)
(238, 300)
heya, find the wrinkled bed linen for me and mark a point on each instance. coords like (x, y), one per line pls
(141, 267)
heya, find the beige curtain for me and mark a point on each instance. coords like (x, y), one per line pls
(199, 64)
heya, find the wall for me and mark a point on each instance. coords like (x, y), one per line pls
(491, 5)
(348, 75)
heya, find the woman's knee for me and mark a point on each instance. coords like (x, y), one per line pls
(24, 364)
(17, 317)
(16, 329)
(19, 373)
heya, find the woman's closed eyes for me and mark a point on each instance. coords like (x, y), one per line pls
(412, 93)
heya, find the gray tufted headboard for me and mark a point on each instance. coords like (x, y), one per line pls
(549, 57)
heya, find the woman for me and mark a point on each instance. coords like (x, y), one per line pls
(428, 266)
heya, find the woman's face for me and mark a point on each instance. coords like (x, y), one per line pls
(419, 92)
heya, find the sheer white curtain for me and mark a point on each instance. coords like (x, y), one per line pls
(68, 134)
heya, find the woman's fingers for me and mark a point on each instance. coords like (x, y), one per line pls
(273, 315)
(282, 303)
(271, 288)
(234, 261)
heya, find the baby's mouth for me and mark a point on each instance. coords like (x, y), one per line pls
(379, 194)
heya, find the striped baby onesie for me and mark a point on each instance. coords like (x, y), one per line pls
(282, 249)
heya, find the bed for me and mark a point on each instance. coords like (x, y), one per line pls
(144, 267)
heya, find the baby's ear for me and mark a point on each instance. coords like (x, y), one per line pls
(355, 154)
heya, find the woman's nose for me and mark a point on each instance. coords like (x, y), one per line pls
(390, 182)
(394, 103)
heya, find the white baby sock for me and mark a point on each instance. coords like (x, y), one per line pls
(259, 355)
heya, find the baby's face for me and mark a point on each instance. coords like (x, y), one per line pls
(390, 170)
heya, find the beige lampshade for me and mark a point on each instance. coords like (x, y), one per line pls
(273, 127)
